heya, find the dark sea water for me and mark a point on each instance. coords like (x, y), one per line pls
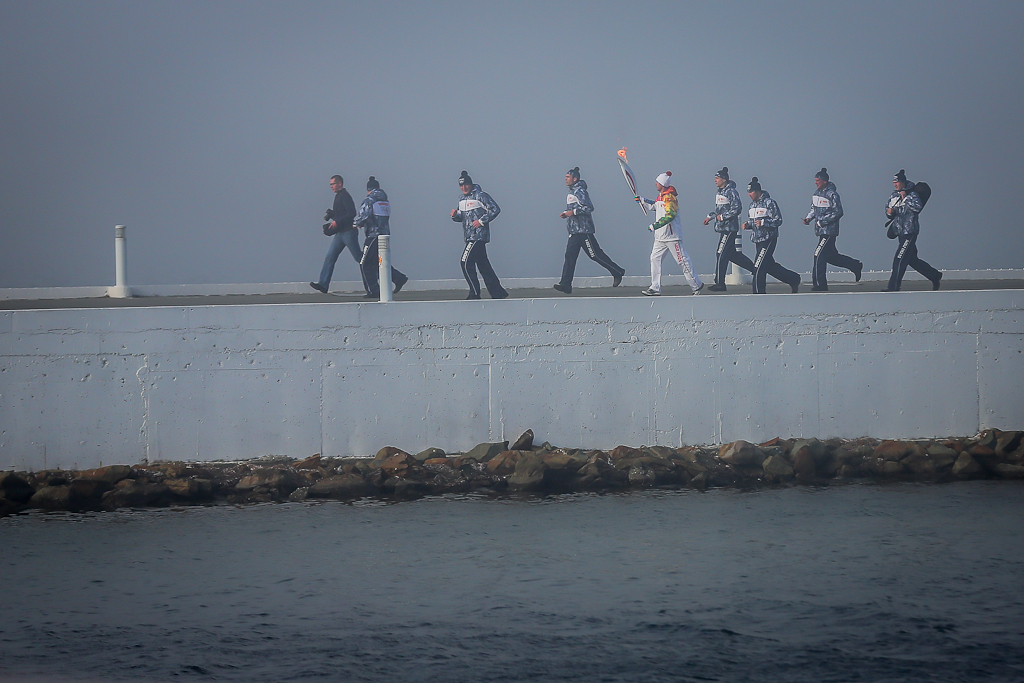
(849, 583)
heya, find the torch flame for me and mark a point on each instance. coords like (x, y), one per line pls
(622, 153)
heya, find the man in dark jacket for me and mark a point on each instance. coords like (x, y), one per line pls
(903, 208)
(476, 210)
(727, 225)
(374, 217)
(580, 225)
(826, 210)
(346, 234)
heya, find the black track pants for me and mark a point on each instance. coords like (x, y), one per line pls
(369, 265)
(588, 243)
(826, 253)
(906, 255)
(765, 265)
(475, 256)
(727, 254)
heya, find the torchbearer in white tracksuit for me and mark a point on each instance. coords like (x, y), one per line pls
(666, 229)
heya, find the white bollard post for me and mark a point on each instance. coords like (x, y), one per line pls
(120, 289)
(738, 276)
(384, 266)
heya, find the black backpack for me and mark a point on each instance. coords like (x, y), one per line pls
(924, 191)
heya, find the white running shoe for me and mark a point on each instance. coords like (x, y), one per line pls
(699, 289)
(650, 292)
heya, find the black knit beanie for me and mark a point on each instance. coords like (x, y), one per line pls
(822, 174)
(372, 184)
(574, 172)
(464, 179)
(754, 185)
(901, 176)
(723, 174)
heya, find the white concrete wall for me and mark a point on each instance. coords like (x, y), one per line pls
(83, 386)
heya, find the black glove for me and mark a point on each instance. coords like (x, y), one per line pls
(329, 215)
(329, 231)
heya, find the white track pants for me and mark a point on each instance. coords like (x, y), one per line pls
(682, 258)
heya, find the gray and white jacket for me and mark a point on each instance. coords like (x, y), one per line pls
(578, 201)
(767, 210)
(476, 206)
(728, 206)
(906, 210)
(374, 214)
(826, 210)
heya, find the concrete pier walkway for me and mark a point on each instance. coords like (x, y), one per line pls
(452, 290)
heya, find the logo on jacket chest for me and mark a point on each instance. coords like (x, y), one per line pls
(470, 205)
(820, 202)
(721, 200)
(758, 212)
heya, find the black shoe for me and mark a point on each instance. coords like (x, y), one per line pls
(562, 288)
(716, 288)
(819, 289)
(936, 281)
(503, 295)
(617, 279)
(890, 290)
(472, 296)
(795, 286)
(318, 287)
(398, 285)
(857, 270)
(371, 295)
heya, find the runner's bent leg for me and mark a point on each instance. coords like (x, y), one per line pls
(922, 266)
(739, 258)
(842, 260)
(491, 281)
(777, 270)
(598, 256)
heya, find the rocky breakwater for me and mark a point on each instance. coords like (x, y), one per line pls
(521, 467)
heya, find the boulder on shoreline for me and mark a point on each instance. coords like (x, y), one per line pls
(524, 469)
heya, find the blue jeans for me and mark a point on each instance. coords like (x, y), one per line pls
(345, 238)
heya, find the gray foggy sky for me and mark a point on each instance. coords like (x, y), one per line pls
(211, 128)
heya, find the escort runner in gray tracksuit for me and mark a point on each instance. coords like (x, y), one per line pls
(903, 208)
(727, 223)
(764, 220)
(374, 217)
(826, 210)
(476, 210)
(580, 224)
